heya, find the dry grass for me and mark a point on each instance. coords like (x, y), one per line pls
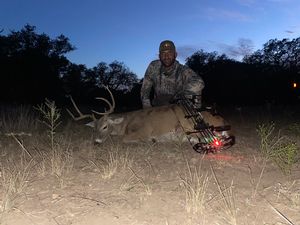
(61, 161)
(225, 207)
(59, 156)
(15, 173)
(256, 184)
(206, 199)
(111, 161)
(14, 180)
(18, 119)
(134, 182)
(291, 192)
(195, 185)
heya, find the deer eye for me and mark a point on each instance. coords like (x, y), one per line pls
(104, 127)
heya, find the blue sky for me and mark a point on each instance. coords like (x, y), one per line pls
(131, 30)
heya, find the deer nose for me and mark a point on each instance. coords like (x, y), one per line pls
(98, 141)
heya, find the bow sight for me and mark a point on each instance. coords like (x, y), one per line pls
(210, 138)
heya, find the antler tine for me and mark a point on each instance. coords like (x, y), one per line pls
(108, 103)
(81, 116)
(111, 96)
(111, 105)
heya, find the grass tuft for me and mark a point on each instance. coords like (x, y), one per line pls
(15, 173)
(17, 119)
(195, 187)
(111, 162)
(226, 207)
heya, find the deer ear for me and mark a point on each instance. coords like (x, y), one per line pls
(91, 124)
(116, 121)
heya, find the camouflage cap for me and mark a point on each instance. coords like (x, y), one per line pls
(167, 45)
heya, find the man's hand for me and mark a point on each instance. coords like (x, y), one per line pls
(197, 101)
(146, 103)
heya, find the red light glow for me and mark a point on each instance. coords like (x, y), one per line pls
(217, 142)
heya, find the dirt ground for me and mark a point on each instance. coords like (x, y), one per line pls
(69, 180)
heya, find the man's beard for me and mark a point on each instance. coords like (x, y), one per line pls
(169, 63)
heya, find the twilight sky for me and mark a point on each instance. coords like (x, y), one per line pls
(130, 30)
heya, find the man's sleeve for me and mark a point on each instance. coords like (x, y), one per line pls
(147, 85)
(193, 82)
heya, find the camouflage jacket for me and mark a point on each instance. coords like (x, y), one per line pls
(169, 84)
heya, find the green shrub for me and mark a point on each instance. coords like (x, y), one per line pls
(279, 148)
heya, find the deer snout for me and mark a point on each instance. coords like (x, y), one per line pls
(99, 141)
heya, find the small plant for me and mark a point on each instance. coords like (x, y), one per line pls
(280, 149)
(51, 118)
(285, 155)
(60, 157)
(265, 132)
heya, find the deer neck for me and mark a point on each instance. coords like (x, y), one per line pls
(118, 124)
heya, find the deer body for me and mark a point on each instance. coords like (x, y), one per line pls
(163, 123)
(160, 124)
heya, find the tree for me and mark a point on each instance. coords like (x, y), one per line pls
(73, 80)
(115, 75)
(32, 65)
(281, 53)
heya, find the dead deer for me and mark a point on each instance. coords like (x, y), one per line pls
(160, 124)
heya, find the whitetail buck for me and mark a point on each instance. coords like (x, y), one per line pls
(160, 124)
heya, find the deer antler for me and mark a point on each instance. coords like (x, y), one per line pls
(92, 116)
(81, 116)
(111, 105)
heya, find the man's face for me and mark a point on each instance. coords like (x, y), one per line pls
(167, 57)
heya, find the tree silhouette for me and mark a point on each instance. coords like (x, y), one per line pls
(115, 75)
(73, 81)
(31, 65)
(34, 67)
(265, 75)
(282, 53)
